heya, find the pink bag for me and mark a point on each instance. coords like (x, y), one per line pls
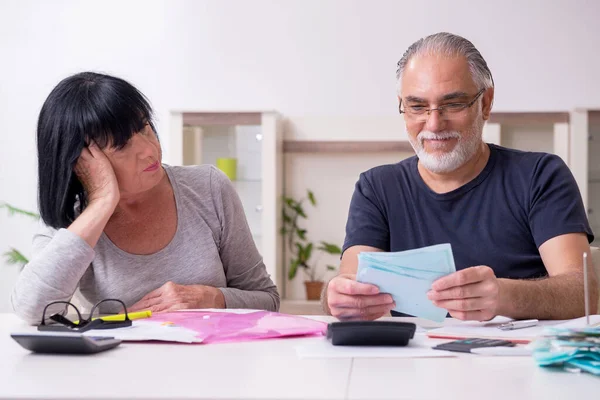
(222, 327)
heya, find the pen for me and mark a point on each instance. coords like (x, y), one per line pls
(518, 324)
(121, 317)
(586, 300)
(132, 315)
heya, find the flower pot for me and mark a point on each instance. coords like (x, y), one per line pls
(313, 290)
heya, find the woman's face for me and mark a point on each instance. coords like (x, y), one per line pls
(137, 165)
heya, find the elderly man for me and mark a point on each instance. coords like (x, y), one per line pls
(515, 219)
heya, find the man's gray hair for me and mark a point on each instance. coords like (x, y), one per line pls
(449, 45)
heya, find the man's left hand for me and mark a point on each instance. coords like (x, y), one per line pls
(469, 294)
(171, 297)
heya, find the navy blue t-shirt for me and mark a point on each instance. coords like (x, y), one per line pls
(499, 219)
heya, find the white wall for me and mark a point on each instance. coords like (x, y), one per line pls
(297, 57)
(42, 42)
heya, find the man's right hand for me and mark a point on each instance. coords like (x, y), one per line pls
(348, 299)
(97, 176)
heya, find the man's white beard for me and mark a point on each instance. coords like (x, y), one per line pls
(465, 148)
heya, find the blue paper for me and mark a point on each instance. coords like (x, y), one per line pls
(572, 349)
(407, 276)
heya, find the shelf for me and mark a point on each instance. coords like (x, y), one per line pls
(594, 176)
(529, 118)
(594, 117)
(323, 146)
(220, 119)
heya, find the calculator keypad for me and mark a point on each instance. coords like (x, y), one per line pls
(466, 345)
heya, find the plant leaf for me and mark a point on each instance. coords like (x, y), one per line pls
(301, 233)
(293, 269)
(290, 202)
(311, 198)
(286, 217)
(12, 210)
(283, 231)
(300, 249)
(308, 251)
(331, 268)
(15, 257)
(330, 248)
(299, 210)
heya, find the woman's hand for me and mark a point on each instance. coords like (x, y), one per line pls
(97, 177)
(171, 297)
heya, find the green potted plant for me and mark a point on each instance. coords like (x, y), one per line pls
(14, 256)
(302, 249)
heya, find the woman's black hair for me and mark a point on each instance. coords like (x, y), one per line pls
(82, 108)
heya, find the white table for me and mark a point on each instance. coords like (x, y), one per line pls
(270, 370)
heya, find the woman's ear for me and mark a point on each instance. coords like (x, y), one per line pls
(487, 102)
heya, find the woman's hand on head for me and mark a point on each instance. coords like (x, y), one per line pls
(171, 297)
(97, 176)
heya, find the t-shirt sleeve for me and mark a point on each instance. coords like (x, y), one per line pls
(367, 224)
(556, 207)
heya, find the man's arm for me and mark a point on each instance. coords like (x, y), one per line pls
(561, 295)
(476, 294)
(345, 298)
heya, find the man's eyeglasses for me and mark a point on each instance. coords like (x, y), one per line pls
(63, 324)
(420, 112)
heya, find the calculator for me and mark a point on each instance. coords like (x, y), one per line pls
(370, 333)
(64, 342)
(465, 345)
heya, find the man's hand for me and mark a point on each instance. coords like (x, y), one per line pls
(351, 300)
(171, 297)
(470, 294)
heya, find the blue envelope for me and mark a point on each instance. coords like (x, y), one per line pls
(407, 276)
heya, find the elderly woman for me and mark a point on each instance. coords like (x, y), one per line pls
(120, 224)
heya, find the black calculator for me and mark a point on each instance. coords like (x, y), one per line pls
(64, 342)
(370, 333)
(465, 345)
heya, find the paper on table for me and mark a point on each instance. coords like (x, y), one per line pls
(219, 310)
(148, 330)
(222, 327)
(490, 330)
(416, 348)
(407, 276)
(203, 326)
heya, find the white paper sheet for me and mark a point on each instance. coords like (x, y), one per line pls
(148, 330)
(491, 330)
(417, 348)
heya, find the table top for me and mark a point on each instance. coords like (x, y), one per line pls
(270, 369)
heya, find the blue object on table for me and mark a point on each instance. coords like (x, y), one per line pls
(571, 349)
(407, 276)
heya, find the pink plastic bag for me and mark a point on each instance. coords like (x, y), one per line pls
(222, 327)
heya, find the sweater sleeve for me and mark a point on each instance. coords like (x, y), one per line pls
(60, 258)
(248, 283)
